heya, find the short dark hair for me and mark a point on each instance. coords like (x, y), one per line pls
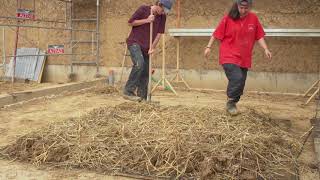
(234, 12)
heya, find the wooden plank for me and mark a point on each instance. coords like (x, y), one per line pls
(313, 95)
(312, 87)
(42, 69)
(13, 98)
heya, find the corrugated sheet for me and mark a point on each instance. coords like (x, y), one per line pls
(28, 67)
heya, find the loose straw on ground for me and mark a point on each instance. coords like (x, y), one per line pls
(164, 142)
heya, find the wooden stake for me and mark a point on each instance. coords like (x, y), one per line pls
(313, 95)
(177, 77)
(178, 11)
(312, 87)
(4, 48)
(163, 80)
(150, 61)
(163, 58)
(315, 86)
(178, 56)
(123, 62)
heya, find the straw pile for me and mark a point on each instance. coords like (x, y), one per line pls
(105, 89)
(168, 142)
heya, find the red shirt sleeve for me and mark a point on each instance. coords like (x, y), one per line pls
(259, 32)
(162, 26)
(220, 31)
(139, 14)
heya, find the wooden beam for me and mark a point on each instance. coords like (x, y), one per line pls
(7, 99)
(178, 11)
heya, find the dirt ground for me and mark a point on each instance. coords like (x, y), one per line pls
(17, 120)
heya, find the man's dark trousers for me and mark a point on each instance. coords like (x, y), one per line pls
(139, 75)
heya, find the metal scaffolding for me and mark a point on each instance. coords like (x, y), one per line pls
(95, 38)
(69, 26)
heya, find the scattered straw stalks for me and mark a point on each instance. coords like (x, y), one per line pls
(102, 88)
(164, 142)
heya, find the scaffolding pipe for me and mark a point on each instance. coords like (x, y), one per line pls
(42, 27)
(37, 20)
(4, 48)
(64, 54)
(71, 37)
(15, 54)
(66, 14)
(178, 11)
(34, 8)
(15, 49)
(92, 43)
(98, 37)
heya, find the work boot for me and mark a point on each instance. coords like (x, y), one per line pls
(231, 108)
(130, 96)
(143, 100)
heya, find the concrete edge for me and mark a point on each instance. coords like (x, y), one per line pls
(13, 98)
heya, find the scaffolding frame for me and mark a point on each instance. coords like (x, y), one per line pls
(69, 7)
(94, 41)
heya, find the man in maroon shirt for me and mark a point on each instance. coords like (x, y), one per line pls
(138, 44)
(237, 32)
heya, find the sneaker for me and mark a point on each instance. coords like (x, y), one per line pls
(130, 96)
(232, 108)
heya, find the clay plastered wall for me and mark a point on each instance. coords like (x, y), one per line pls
(290, 54)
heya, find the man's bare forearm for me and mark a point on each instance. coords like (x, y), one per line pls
(156, 41)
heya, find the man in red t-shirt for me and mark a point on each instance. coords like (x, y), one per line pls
(237, 32)
(138, 45)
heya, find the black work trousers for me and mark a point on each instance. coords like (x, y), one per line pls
(237, 77)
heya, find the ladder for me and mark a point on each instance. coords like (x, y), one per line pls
(84, 43)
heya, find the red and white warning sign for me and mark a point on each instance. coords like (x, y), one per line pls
(55, 49)
(25, 14)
